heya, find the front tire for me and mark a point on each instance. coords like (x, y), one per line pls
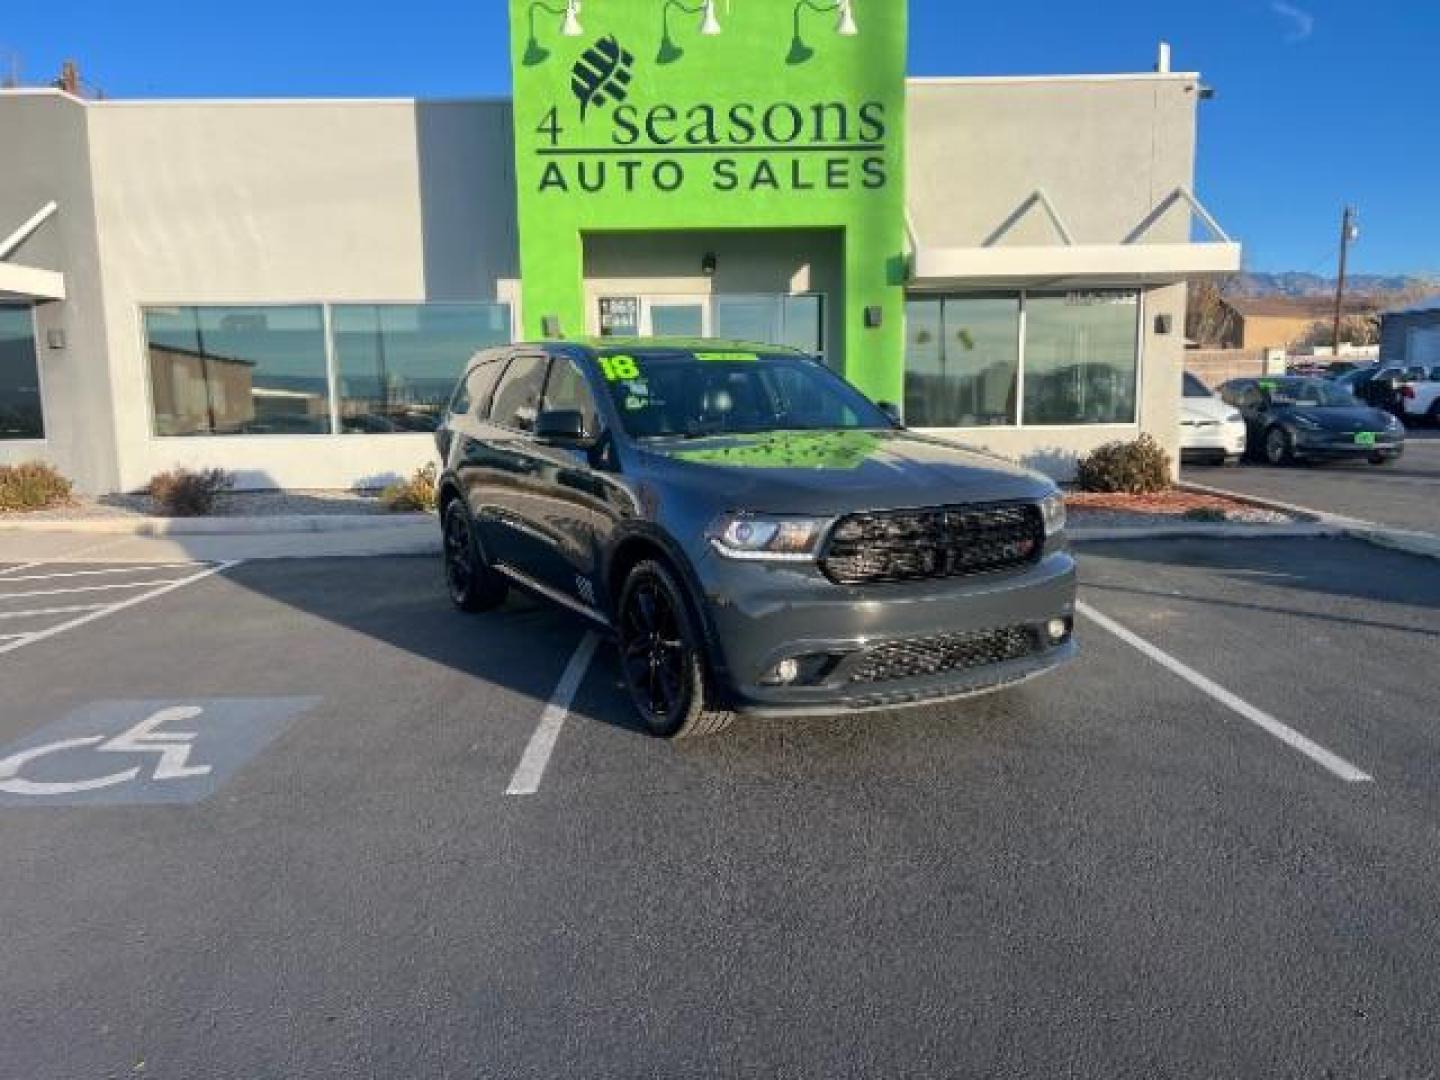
(1278, 450)
(662, 657)
(472, 583)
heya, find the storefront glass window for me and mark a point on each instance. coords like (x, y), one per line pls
(397, 363)
(238, 370)
(962, 360)
(795, 321)
(20, 411)
(1081, 352)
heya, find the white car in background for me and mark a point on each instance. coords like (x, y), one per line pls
(1420, 396)
(1210, 430)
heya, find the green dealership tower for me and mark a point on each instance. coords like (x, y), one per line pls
(716, 168)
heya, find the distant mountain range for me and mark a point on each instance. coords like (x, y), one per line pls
(1292, 283)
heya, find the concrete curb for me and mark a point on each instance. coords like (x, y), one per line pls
(1411, 543)
(1201, 531)
(275, 525)
(1425, 545)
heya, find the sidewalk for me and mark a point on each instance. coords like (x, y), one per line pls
(416, 534)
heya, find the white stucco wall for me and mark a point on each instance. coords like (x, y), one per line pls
(44, 141)
(283, 202)
(1107, 150)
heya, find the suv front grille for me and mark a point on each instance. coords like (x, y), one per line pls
(949, 652)
(938, 542)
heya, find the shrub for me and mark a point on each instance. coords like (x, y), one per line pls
(1134, 468)
(185, 493)
(32, 486)
(1209, 514)
(418, 494)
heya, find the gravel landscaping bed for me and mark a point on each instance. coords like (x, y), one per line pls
(1167, 508)
(231, 504)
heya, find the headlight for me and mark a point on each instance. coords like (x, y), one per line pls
(763, 537)
(1393, 422)
(1052, 509)
(1306, 423)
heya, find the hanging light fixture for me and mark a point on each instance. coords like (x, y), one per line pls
(571, 27)
(710, 26)
(670, 50)
(845, 26)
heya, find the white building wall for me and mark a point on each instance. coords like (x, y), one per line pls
(44, 141)
(283, 202)
(1106, 150)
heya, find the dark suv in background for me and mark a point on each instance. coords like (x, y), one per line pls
(757, 534)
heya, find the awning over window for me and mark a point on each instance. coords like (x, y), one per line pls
(28, 283)
(20, 282)
(1071, 265)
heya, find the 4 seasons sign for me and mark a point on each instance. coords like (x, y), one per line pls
(667, 147)
(647, 116)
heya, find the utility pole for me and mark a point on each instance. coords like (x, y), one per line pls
(1349, 233)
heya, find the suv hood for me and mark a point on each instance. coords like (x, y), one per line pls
(830, 472)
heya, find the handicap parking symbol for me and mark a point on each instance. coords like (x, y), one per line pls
(142, 752)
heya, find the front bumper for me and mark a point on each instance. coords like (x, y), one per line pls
(848, 637)
(1342, 445)
(1212, 440)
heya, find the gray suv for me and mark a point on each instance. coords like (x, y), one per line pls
(756, 534)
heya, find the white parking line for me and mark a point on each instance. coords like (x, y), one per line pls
(531, 769)
(92, 573)
(110, 609)
(84, 588)
(64, 556)
(1263, 720)
(35, 613)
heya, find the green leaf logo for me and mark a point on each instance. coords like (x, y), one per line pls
(602, 74)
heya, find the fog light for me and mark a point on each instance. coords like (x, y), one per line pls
(1058, 629)
(787, 671)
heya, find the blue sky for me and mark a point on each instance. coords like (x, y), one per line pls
(1319, 102)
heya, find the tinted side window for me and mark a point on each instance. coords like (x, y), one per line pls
(517, 399)
(568, 390)
(480, 384)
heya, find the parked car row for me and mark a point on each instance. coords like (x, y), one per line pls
(1288, 419)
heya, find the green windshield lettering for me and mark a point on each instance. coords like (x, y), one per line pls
(726, 357)
(619, 368)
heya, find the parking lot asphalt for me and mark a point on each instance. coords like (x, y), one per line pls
(1404, 495)
(1107, 872)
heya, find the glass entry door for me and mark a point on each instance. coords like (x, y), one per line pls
(675, 316)
(796, 320)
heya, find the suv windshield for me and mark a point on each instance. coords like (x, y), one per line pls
(692, 394)
(1308, 393)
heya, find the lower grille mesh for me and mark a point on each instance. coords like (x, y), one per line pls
(949, 652)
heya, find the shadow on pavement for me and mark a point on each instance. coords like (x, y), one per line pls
(1327, 567)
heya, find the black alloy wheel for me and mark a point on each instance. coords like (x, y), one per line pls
(661, 657)
(473, 586)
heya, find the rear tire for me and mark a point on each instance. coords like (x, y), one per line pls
(471, 581)
(662, 657)
(1380, 459)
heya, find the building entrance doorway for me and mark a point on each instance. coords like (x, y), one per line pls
(795, 320)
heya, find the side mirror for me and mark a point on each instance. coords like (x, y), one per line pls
(890, 409)
(561, 426)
